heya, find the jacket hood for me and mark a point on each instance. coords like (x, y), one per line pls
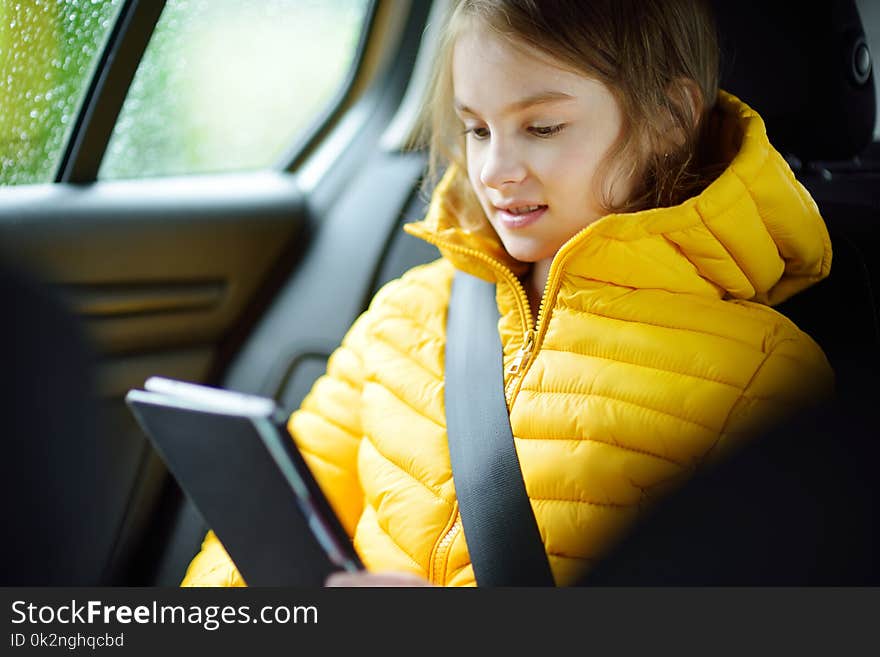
(754, 233)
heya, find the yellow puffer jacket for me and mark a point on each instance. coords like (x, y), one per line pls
(654, 350)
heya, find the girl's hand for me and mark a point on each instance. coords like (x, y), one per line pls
(343, 578)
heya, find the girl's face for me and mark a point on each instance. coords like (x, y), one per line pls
(535, 136)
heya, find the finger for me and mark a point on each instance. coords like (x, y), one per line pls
(340, 579)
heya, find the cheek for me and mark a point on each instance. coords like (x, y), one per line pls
(473, 168)
(569, 178)
(558, 164)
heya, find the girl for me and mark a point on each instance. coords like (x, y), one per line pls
(638, 226)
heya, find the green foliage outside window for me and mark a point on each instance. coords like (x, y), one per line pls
(224, 84)
(48, 49)
(227, 85)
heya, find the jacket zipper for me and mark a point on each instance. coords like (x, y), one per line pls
(522, 299)
(535, 336)
(441, 553)
(532, 337)
(519, 362)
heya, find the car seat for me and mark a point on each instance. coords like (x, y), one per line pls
(809, 74)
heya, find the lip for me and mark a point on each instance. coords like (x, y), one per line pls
(516, 221)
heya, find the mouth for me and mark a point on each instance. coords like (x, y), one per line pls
(520, 216)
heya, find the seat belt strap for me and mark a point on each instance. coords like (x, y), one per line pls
(500, 530)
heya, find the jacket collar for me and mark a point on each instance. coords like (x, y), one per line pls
(754, 233)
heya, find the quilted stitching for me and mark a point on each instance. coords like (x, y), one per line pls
(587, 485)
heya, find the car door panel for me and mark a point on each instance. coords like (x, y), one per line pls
(159, 274)
(147, 275)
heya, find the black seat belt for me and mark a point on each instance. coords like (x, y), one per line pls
(499, 525)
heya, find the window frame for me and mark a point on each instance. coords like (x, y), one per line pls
(106, 91)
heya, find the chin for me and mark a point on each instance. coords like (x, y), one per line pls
(526, 250)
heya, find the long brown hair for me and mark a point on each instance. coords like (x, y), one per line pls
(658, 57)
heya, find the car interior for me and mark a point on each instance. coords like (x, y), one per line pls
(249, 280)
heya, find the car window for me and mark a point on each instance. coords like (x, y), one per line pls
(48, 51)
(226, 85)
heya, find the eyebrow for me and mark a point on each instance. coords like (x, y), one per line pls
(528, 101)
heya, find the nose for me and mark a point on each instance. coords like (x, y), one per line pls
(503, 164)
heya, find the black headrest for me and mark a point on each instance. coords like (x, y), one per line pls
(806, 68)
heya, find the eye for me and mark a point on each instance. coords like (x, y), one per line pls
(478, 133)
(546, 131)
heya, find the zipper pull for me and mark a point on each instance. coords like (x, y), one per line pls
(523, 354)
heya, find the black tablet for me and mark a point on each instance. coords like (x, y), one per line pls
(233, 457)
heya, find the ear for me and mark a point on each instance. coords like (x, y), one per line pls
(685, 96)
(691, 94)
